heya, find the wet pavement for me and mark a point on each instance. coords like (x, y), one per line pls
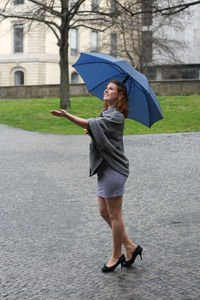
(53, 242)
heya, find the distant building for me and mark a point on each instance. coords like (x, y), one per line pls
(187, 55)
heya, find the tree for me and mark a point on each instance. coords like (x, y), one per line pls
(140, 24)
(162, 7)
(60, 16)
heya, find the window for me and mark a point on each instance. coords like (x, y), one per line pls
(73, 2)
(74, 77)
(147, 46)
(19, 78)
(147, 17)
(94, 41)
(18, 38)
(113, 44)
(74, 41)
(95, 5)
(16, 2)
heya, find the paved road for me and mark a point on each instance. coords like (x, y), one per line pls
(53, 242)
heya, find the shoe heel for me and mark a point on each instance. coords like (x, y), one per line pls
(121, 261)
(122, 265)
(140, 253)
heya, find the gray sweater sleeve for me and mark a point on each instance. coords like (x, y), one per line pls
(107, 135)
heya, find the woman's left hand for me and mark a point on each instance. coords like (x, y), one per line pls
(59, 113)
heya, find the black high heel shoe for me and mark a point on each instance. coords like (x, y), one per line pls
(138, 251)
(121, 261)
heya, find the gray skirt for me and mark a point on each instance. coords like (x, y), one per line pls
(110, 183)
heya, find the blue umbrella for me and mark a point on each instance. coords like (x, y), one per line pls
(98, 69)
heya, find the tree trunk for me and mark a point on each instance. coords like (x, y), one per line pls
(64, 68)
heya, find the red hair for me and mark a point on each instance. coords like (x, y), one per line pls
(122, 102)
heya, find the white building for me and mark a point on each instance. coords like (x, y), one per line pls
(27, 56)
(30, 56)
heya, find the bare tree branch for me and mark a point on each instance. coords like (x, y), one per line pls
(60, 18)
(92, 28)
(167, 10)
(174, 9)
(46, 7)
(29, 18)
(8, 1)
(74, 10)
(88, 12)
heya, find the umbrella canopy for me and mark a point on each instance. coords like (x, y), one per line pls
(98, 69)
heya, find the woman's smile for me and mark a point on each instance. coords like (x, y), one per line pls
(111, 92)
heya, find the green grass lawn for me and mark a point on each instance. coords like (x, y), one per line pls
(181, 114)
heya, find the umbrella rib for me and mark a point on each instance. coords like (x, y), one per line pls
(149, 111)
(120, 75)
(94, 62)
(137, 86)
(106, 63)
(114, 66)
(109, 78)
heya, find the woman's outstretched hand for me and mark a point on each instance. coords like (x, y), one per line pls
(78, 121)
(59, 113)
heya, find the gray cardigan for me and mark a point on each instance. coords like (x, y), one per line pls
(107, 141)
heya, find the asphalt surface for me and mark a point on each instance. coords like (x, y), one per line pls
(53, 243)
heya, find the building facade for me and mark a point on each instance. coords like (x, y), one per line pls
(179, 56)
(30, 55)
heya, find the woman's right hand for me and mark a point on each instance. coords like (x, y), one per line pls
(59, 113)
(78, 121)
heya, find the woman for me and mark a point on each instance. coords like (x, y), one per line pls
(107, 159)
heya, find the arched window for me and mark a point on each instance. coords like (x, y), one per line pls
(19, 78)
(74, 77)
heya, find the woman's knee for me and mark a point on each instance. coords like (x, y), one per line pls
(114, 206)
(115, 216)
(103, 212)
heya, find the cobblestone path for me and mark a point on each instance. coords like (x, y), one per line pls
(53, 242)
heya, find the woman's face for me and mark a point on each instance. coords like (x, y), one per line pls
(111, 93)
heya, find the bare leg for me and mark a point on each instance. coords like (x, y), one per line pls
(128, 244)
(117, 225)
(104, 211)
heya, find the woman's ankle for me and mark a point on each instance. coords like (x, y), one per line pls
(130, 247)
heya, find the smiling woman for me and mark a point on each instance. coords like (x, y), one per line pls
(143, 104)
(117, 89)
(108, 161)
(111, 94)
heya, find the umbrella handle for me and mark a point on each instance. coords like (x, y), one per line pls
(136, 67)
(126, 78)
